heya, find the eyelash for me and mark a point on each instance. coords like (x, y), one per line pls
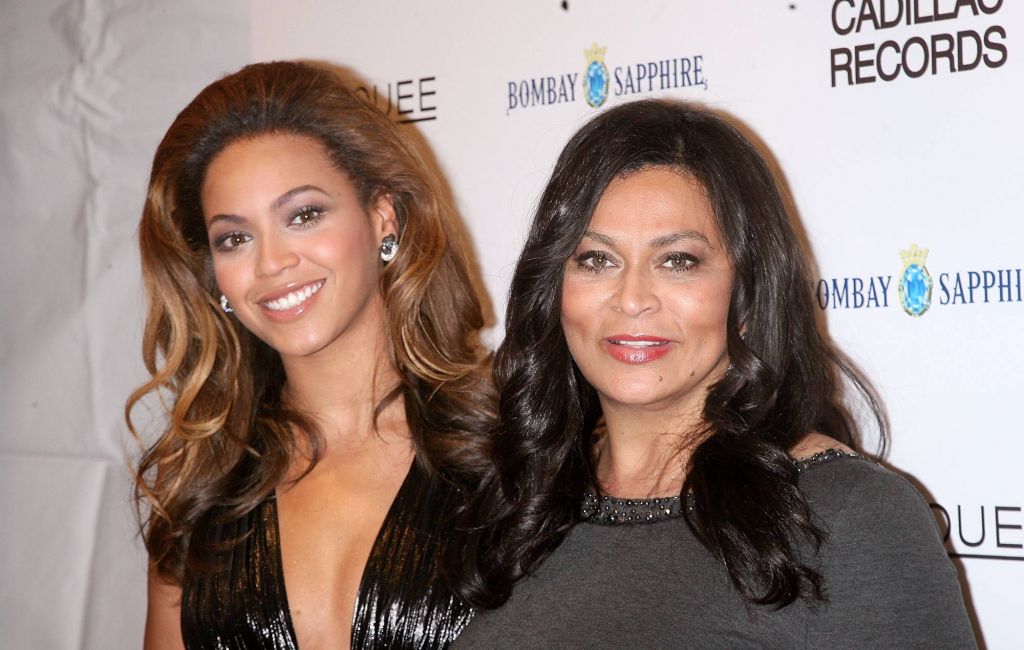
(313, 211)
(684, 262)
(220, 243)
(688, 262)
(585, 261)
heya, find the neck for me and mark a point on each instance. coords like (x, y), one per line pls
(644, 452)
(341, 386)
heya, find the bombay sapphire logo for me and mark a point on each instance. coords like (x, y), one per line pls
(915, 281)
(595, 77)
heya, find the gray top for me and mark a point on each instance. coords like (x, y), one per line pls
(620, 580)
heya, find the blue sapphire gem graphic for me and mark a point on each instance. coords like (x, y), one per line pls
(915, 289)
(597, 83)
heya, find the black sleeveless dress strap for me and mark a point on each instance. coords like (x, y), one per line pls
(401, 602)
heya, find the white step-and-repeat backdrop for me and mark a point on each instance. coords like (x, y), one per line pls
(895, 124)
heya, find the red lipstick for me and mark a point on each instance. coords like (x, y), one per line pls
(636, 349)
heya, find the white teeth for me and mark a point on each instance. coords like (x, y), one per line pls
(639, 344)
(294, 298)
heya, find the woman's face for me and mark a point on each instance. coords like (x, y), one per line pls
(294, 251)
(645, 297)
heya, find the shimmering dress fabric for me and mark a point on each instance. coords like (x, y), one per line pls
(401, 601)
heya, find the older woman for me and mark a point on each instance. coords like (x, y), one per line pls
(312, 332)
(674, 467)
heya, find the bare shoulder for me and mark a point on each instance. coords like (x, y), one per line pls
(814, 443)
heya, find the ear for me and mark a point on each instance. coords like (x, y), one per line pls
(383, 216)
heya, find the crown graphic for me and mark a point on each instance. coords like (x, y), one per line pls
(595, 53)
(914, 255)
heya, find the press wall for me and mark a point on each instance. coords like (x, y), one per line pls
(894, 125)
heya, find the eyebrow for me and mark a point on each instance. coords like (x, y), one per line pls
(672, 238)
(287, 196)
(274, 205)
(657, 242)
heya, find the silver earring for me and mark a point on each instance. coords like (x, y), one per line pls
(388, 248)
(224, 304)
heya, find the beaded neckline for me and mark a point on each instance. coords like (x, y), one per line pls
(822, 456)
(614, 511)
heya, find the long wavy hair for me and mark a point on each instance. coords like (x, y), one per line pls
(783, 381)
(229, 439)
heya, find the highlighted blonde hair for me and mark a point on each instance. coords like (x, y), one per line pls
(229, 440)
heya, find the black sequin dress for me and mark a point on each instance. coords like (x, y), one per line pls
(401, 601)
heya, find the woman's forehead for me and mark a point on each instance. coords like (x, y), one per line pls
(653, 204)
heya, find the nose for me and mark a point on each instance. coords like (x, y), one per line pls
(274, 255)
(636, 294)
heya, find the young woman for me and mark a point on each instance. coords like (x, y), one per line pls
(312, 331)
(674, 467)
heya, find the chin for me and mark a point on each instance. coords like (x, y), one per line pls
(297, 345)
(637, 393)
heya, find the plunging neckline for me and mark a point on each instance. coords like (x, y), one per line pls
(402, 599)
(279, 557)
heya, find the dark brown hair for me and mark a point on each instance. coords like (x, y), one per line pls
(783, 381)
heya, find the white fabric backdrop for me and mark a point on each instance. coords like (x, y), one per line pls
(87, 89)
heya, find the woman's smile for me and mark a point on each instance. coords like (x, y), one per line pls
(291, 303)
(636, 349)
